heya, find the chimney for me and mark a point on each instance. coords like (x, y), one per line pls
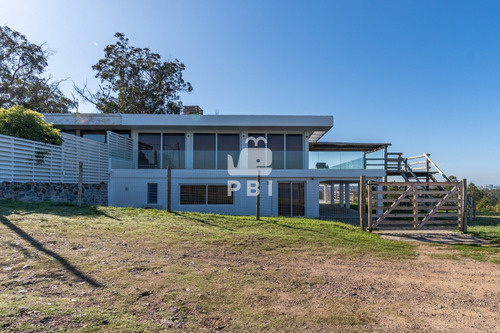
(191, 109)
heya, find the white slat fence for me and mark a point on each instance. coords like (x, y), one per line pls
(30, 161)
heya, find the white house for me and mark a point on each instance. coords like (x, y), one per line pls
(213, 155)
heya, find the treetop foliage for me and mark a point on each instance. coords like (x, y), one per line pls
(21, 82)
(27, 124)
(136, 80)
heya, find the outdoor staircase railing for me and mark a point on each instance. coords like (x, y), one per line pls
(423, 163)
(413, 165)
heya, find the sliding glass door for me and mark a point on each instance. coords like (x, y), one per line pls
(291, 199)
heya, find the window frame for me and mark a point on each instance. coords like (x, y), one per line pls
(149, 187)
(206, 196)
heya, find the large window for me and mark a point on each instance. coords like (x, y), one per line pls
(227, 144)
(205, 195)
(254, 142)
(174, 147)
(204, 151)
(99, 136)
(276, 142)
(294, 151)
(290, 157)
(161, 150)
(149, 150)
(210, 151)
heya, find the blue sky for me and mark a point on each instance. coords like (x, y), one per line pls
(422, 75)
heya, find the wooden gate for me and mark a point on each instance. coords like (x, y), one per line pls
(417, 204)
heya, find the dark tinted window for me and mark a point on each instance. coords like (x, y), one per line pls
(152, 193)
(227, 144)
(123, 133)
(149, 150)
(294, 151)
(217, 195)
(99, 136)
(276, 142)
(253, 141)
(193, 194)
(204, 151)
(174, 147)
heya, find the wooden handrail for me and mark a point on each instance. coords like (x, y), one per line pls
(403, 164)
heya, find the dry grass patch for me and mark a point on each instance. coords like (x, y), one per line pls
(64, 268)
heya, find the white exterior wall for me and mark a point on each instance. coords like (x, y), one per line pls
(128, 188)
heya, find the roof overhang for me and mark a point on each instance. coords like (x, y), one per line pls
(317, 126)
(347, 146)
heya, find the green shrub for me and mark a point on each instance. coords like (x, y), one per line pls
(27, 124)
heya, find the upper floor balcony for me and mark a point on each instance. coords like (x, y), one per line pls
(323, 156)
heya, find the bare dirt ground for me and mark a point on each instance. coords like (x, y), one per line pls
(424, 295)
(421, 295)
(60, 275)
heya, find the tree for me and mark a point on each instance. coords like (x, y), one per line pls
(473, 189)
(136, 80)
(21, 82)
(27, 124)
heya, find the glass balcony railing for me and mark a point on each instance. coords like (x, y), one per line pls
(227, 159)
(221, 159)
(336, 160)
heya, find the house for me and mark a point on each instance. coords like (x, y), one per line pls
(215, 161)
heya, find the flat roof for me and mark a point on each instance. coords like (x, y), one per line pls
(347, 146)
(317, 126)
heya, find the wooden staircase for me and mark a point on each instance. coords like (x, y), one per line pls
(417, 169)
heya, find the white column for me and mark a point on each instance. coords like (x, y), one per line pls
(341, 194)
(347, 195)
(305, 151)
(332, 194)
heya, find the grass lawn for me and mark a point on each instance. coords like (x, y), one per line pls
(119, 269)
(486, 226)
(89, 269)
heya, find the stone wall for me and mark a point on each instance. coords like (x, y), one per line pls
(93, 194)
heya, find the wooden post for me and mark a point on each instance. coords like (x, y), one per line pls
(362, 202)
(385, 163)
(464, 206)
(473, 206)
(169, 189)
(80, 183)
(415, 206)
(369, 203)
(257, 208)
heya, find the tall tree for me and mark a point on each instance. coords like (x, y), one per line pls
(21, 81)
(136, 80)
